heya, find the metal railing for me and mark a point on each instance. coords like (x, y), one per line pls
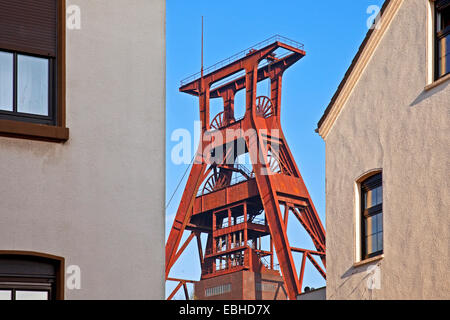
(246, 170)
(239, 177)
(242, 54)
(266, 263)
(240, 220)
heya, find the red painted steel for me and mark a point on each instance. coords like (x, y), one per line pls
(227, 210)
(181, 283)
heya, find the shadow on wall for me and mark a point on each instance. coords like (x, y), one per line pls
(362, 282)
(428, 93)
(354, 270)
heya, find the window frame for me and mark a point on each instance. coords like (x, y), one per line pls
(15, 115)
(54, 285)
(29, 285)
(370, 183)
(36, 127)
(438, 36)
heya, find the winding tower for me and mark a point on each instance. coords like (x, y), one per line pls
(244, 209)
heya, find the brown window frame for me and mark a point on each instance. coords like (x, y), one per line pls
(29, 285)
(52, 128)
(15, 115)
(440, 35)
(23, 281)
(368, 184)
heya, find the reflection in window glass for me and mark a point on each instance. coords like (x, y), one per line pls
(5, 295)
(371, 244)
(374, 243)
(444, 56)
(366, 198)
(380, 195)
(32, 91)
(443, 38)
(373, 197)
(31, 295)
(380, 222)
(371, 225)
(374, 233)
(6, 81)
(380, 241)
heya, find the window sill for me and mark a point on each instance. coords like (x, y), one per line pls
(368, 261)
(33, 131)
(437, 82)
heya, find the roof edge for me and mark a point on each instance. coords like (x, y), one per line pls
(358, 65)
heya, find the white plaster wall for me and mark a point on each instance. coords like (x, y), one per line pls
(98, 200)
(391, 122)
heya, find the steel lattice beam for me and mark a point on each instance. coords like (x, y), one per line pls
(263, 189)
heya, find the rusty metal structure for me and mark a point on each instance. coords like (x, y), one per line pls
(239, 207)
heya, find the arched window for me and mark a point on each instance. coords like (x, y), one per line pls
(372, 216)
(31, 276)
(442, 27)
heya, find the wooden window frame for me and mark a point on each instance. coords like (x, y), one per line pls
(437, 36)
(55, 286)
(22, 284)
(55, 130)
(370, 183)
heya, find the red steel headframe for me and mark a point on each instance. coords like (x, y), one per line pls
(270, 188)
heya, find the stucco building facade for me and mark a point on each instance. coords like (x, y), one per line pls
(85, 190)
(390, 118)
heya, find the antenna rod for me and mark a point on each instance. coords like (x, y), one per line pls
(202, 49)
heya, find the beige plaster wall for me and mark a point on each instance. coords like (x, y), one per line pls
(98, 200)
(391, 122)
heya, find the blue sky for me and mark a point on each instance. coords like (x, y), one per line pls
(331, 31)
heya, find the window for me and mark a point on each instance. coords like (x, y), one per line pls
(269, 287)
(30, 276)
(372, 216)
(219, 290)
(26, 86)
(32, 67)
(17, 294)
(442, 27)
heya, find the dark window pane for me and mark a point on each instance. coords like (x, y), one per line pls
(374, 197)
(371, 244)
(365, 200)
(369, 196)
(6, 81)
(380, 195)
(380, 222)
(33, 85)
(443, 19)
(371, 225)
(443, 39)
(447, 54)
(380, 241)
